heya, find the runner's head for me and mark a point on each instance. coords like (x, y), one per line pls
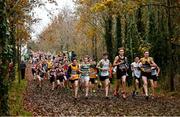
(66, 62)
(105, 56)
(146, 54)
(90, 59)
(136, 59)
(86, 60)
(121, 51)
(74, 61)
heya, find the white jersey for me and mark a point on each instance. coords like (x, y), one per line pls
(154, 71)
(136, 71)
(104, 64)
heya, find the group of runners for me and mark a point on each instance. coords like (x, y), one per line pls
(87, 75)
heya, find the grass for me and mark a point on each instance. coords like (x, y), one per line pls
(16, 98)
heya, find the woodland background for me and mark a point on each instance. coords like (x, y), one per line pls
(94, 27)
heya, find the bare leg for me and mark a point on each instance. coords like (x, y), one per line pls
(145, 86)
(152, 86)
(87, 87)
(75, 88)
(124, 86)
(53, 85)
(155, 87)
(106, 84)
(116, 90)
(136, 84)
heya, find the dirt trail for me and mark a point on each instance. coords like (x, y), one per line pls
(60, 102)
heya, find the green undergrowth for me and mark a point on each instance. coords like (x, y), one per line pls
(16, 98)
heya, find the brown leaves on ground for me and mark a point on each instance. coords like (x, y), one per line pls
(60, 102)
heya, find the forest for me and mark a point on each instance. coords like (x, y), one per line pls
(104, 26)
(92, 28)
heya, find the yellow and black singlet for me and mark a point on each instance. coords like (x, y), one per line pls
(93, 73)
(73, 71)
(146, 67)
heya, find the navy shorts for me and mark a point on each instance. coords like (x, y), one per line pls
(120, 74)
(103, 78)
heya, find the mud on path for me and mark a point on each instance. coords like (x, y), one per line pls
(60, 102)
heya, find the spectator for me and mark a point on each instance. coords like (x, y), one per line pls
(23, 69)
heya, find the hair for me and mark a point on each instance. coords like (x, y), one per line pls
(121, 48)
(105, 54)
(136, 57)
(74, 58)
(86, 58)
(146, 51)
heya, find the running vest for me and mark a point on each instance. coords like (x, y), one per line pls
(85, 69)
(52, 72)
(50, 64)
(34, 66)
(74, 72)
(146, 67)
(41, 71)
(123, 66)
(154, 71)
(60, 72)
(45, 66)
(93, 73)
(105, 65)
(136, 71)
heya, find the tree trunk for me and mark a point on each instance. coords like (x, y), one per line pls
(108, 36)
(140, 25)
(118, 33)
(3, 60)
(170, 57)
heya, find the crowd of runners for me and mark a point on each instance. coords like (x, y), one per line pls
(88, 75)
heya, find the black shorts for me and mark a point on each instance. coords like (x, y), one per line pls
(111, 80)
(72, 81)
(136, 77)
(52, 79)
(154, 77)
(42, 75)
(92, 80)
(146, 74)
(33, 71)
(60, 78)
(103, 78)
(120, 74)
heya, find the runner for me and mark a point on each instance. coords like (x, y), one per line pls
(145, 64)
(85, 69)
(155, 71)
(73, 72)
(40, 73)
(60, 76)
(136, 74)
(50, 64)
(122, 66)
(104, 66)
(93, 76)
(34, 69)
(65, 67)
(45, 67)
(52, 75)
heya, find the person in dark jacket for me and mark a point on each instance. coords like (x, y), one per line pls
(23, 69)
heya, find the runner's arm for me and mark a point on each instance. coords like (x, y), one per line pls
(158, 70)
(98, 65)
(116, 61)
(132, 67)
(153, 64)
(69, 71)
